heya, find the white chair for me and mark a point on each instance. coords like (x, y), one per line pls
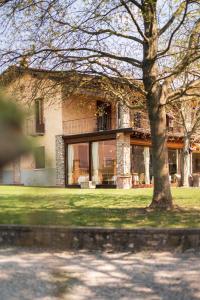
(83, 179)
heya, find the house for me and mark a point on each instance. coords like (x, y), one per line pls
(80, 136)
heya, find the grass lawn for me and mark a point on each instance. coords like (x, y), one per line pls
(101, 207)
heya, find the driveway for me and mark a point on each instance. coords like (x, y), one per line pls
(27, 274)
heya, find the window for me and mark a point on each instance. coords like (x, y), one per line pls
(172, 159)
(40, 158)
(141, 164)
(39, 115)
(196, 162)
(104, 162)
(137, 160)
(104, 112)
(100, 167)
(169, 122)
(137, 120)
(78, 163)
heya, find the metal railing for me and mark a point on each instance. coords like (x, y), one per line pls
(87, 125)
(96, 124)
(141, 123)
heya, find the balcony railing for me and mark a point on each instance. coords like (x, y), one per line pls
(88, 125)
(140, 123)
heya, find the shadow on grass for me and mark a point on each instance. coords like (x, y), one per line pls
(102, 208)
(113, 217)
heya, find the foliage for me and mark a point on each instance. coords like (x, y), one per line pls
(12, 141)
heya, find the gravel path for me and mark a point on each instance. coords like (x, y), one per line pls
(27, 274)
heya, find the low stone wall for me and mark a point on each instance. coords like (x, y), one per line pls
(99, 238)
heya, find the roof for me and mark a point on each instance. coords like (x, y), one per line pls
(77, 82)
(15, 71)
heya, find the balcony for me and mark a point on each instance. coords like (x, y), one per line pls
(138, 122)
(87, 125)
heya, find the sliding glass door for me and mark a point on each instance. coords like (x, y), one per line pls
(94, 161)
(78, 163)
(104, 162)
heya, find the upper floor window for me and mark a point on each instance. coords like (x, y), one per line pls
(137, 119)
(104, 113)
(39, 115)
(169, 122)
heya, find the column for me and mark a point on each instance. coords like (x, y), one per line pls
(124, 116)
(60, 161)
(146, 164)
(191, 165)
(95, 162)
(124, 180)
(177, 162)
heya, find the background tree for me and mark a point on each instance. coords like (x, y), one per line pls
(187, 115)
(131, 39)
(190, 118)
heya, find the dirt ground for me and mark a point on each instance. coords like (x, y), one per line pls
(49, 275)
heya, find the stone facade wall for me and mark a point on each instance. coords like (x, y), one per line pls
(60, 161)
(100, 238)
(123, 161)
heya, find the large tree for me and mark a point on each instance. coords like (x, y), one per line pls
(150, 41)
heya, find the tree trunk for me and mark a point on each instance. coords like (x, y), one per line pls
(186, 162)
(162, 197)
(156, 101)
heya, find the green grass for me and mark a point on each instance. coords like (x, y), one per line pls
(107, 208)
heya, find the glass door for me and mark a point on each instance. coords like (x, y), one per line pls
(78, 163)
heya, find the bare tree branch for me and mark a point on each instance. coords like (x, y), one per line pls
(174, 31)
(134, 20)
(176, 14)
